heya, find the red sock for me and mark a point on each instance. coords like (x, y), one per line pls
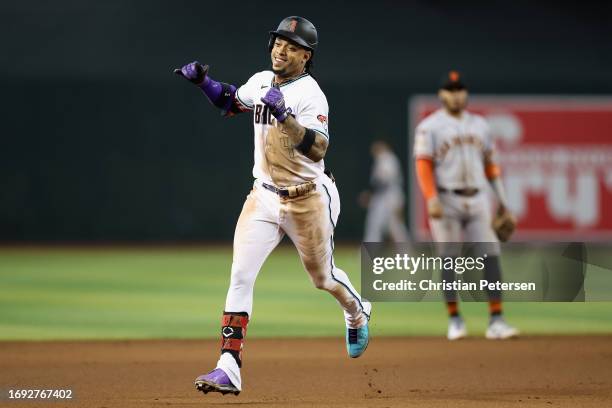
(453, 309)
(495, 307)
(233, 332)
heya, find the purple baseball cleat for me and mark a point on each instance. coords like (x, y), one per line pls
(215, 381)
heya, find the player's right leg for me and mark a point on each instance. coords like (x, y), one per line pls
(257, 234)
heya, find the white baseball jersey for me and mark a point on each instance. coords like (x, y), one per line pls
(386, 173)
(458, 147)
(387, 200)
(276, 160)
(308, 220)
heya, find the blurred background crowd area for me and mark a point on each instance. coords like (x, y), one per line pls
(101, 143)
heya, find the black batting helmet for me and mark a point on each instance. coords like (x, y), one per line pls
(297, 29)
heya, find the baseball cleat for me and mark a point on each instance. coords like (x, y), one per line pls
(215, 381)
(500, 330)
(456, 329)
(357, 341)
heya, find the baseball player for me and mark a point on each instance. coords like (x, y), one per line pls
(385, 200)
(292, 193)
(455, 160)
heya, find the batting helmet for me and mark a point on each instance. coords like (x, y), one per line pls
(297, 29)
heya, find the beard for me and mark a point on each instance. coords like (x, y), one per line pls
(280, 72)
(455, 108)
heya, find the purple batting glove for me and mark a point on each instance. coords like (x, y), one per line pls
(194, 72)
(276, 104)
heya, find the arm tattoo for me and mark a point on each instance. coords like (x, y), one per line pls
(296, 132)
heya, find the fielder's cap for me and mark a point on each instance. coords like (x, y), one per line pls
(453, 81)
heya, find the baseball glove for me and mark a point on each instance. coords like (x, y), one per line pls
(504, 224)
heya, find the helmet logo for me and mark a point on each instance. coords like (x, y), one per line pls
(292, 25)
(453, 76)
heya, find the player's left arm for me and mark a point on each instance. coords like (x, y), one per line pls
(493, 171)
(308, 133)
(503, 222)
(307, 141)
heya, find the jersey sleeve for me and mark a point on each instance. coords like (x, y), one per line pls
(245, 94)
(426, 177)
(423, 143)
(313, 114)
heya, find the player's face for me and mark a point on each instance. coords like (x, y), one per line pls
(453, 101)
(377, 148)
(288, 59)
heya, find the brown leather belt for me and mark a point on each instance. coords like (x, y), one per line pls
(466, 192)
(292, 191)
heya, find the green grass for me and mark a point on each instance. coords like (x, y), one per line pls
(119, 293)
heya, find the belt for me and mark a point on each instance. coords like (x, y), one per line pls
(292, 191)
(467, 192)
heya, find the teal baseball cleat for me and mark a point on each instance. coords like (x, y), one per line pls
(357, 341)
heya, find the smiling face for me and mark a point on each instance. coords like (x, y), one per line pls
(288, 59)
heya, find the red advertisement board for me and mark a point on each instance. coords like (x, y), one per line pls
(556, 159)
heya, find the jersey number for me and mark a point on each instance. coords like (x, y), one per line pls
(262, 115)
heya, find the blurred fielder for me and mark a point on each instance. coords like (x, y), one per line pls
(455, 157)
(292, 193)
(385, 200)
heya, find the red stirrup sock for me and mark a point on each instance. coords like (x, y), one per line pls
(233, 332)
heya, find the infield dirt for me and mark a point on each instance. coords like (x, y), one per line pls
(394, 372)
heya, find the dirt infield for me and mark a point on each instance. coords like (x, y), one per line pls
(394, 372)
